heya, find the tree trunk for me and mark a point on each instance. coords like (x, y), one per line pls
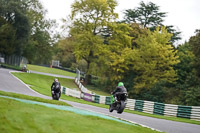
(88, 79)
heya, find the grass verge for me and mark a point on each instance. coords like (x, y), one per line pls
(33, 98)
(49, 70)
(42, 84)
(10, 67)
(96, 90)
(21, 117)
(35, 79)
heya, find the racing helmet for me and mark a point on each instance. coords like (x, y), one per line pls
(120, 84)
(56, 80)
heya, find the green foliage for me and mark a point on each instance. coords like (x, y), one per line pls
(24, 30)
(148, 15)
(41, 38)
(64, 52)
(16, 26)
(188, 72)
(157, 93)
(7, 38)
(118, 51)
(185, 66)
(154, 59)
(195, 43)
(139, 53)
(89, 18)
(192, 96)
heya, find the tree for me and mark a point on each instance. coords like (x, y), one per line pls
(148, 15)
(195, 43)
(64, 52)
(89, 18)
(188, 70)
(185, 67)
(13, 12)
(7, 37)
(41, 38)
(154, 59)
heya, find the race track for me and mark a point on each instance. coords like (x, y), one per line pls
(10, 83)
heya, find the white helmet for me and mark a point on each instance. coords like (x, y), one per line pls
(56, 80)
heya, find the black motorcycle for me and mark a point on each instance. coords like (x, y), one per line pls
(119, 102)
(55, 94)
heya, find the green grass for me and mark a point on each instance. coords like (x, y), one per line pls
(96, 90)
(10, 67)
(49, 70)
(42, 83)
(33, 98)
(21, 117)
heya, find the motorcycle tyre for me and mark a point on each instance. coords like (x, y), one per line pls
(121, 108)
(111, 108)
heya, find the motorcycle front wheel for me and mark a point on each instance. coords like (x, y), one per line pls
(110, 108)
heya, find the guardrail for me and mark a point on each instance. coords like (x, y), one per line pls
(190, 112)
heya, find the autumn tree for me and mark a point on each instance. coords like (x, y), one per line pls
(89, 18)
(154, 59)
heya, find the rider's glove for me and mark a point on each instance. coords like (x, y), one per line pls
(52, 92)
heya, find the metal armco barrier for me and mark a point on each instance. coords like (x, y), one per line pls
(148, 107)
(139, 105)
(96, 98)
(195, 113)
(87, 97)
(70, 92)
(170, 110)
(102, 100)
(184, 111)
(108, 100)
(63, 89)
(130, 104)
(159, 108)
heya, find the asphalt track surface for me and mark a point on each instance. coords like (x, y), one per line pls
(54, 75)
(10, 83)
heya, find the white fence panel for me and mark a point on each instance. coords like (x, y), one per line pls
(102, 99)
(130, 104)
(195, 113)
(170, 110)
(74, 93)
(148, 107)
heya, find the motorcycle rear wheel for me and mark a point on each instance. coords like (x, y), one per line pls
(121, 108)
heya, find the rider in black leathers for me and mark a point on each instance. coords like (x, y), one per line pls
(119, 88)
(55, 87)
